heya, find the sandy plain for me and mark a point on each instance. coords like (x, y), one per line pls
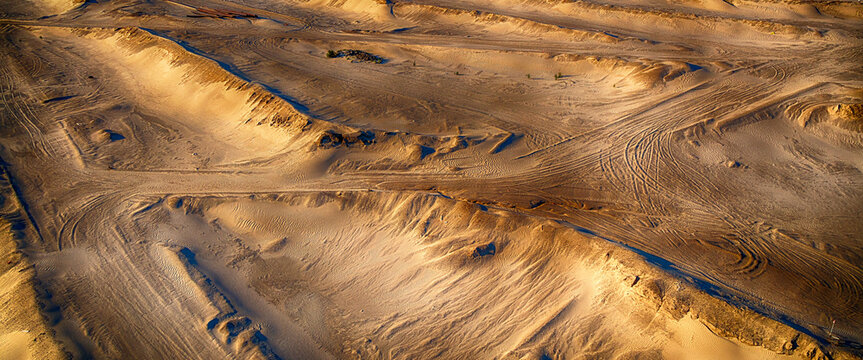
(531, 179)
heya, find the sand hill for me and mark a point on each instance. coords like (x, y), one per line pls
(362, 179)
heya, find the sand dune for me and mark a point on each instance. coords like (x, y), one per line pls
(603, 179)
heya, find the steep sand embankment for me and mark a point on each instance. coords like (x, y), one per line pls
(26, 311)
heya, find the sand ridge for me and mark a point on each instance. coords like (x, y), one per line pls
(513, 179)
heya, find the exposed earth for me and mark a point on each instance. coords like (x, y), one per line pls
(360, 179)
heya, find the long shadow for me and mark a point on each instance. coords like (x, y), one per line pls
(400, 30)
(506, 142)
(703, 285)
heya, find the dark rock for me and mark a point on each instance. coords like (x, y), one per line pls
(484, 250)
(331, 138)
(355, 55)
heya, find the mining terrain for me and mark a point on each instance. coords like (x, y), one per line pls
(419, 179)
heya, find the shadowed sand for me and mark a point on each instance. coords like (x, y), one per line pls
(431, 179)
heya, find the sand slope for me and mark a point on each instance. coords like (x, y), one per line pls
(26, 311)
(456, 179)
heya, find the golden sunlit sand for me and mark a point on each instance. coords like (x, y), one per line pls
(360, 179)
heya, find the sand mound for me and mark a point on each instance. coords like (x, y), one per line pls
(848, 116)
(507, 179)
(495, 22)
(106, 136)
(840, 109)
(422, 242)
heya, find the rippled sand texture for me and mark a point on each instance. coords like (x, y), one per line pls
(534, 179)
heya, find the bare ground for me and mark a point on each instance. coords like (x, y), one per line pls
(537, 179)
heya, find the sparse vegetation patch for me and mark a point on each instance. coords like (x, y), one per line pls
(355, 55)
